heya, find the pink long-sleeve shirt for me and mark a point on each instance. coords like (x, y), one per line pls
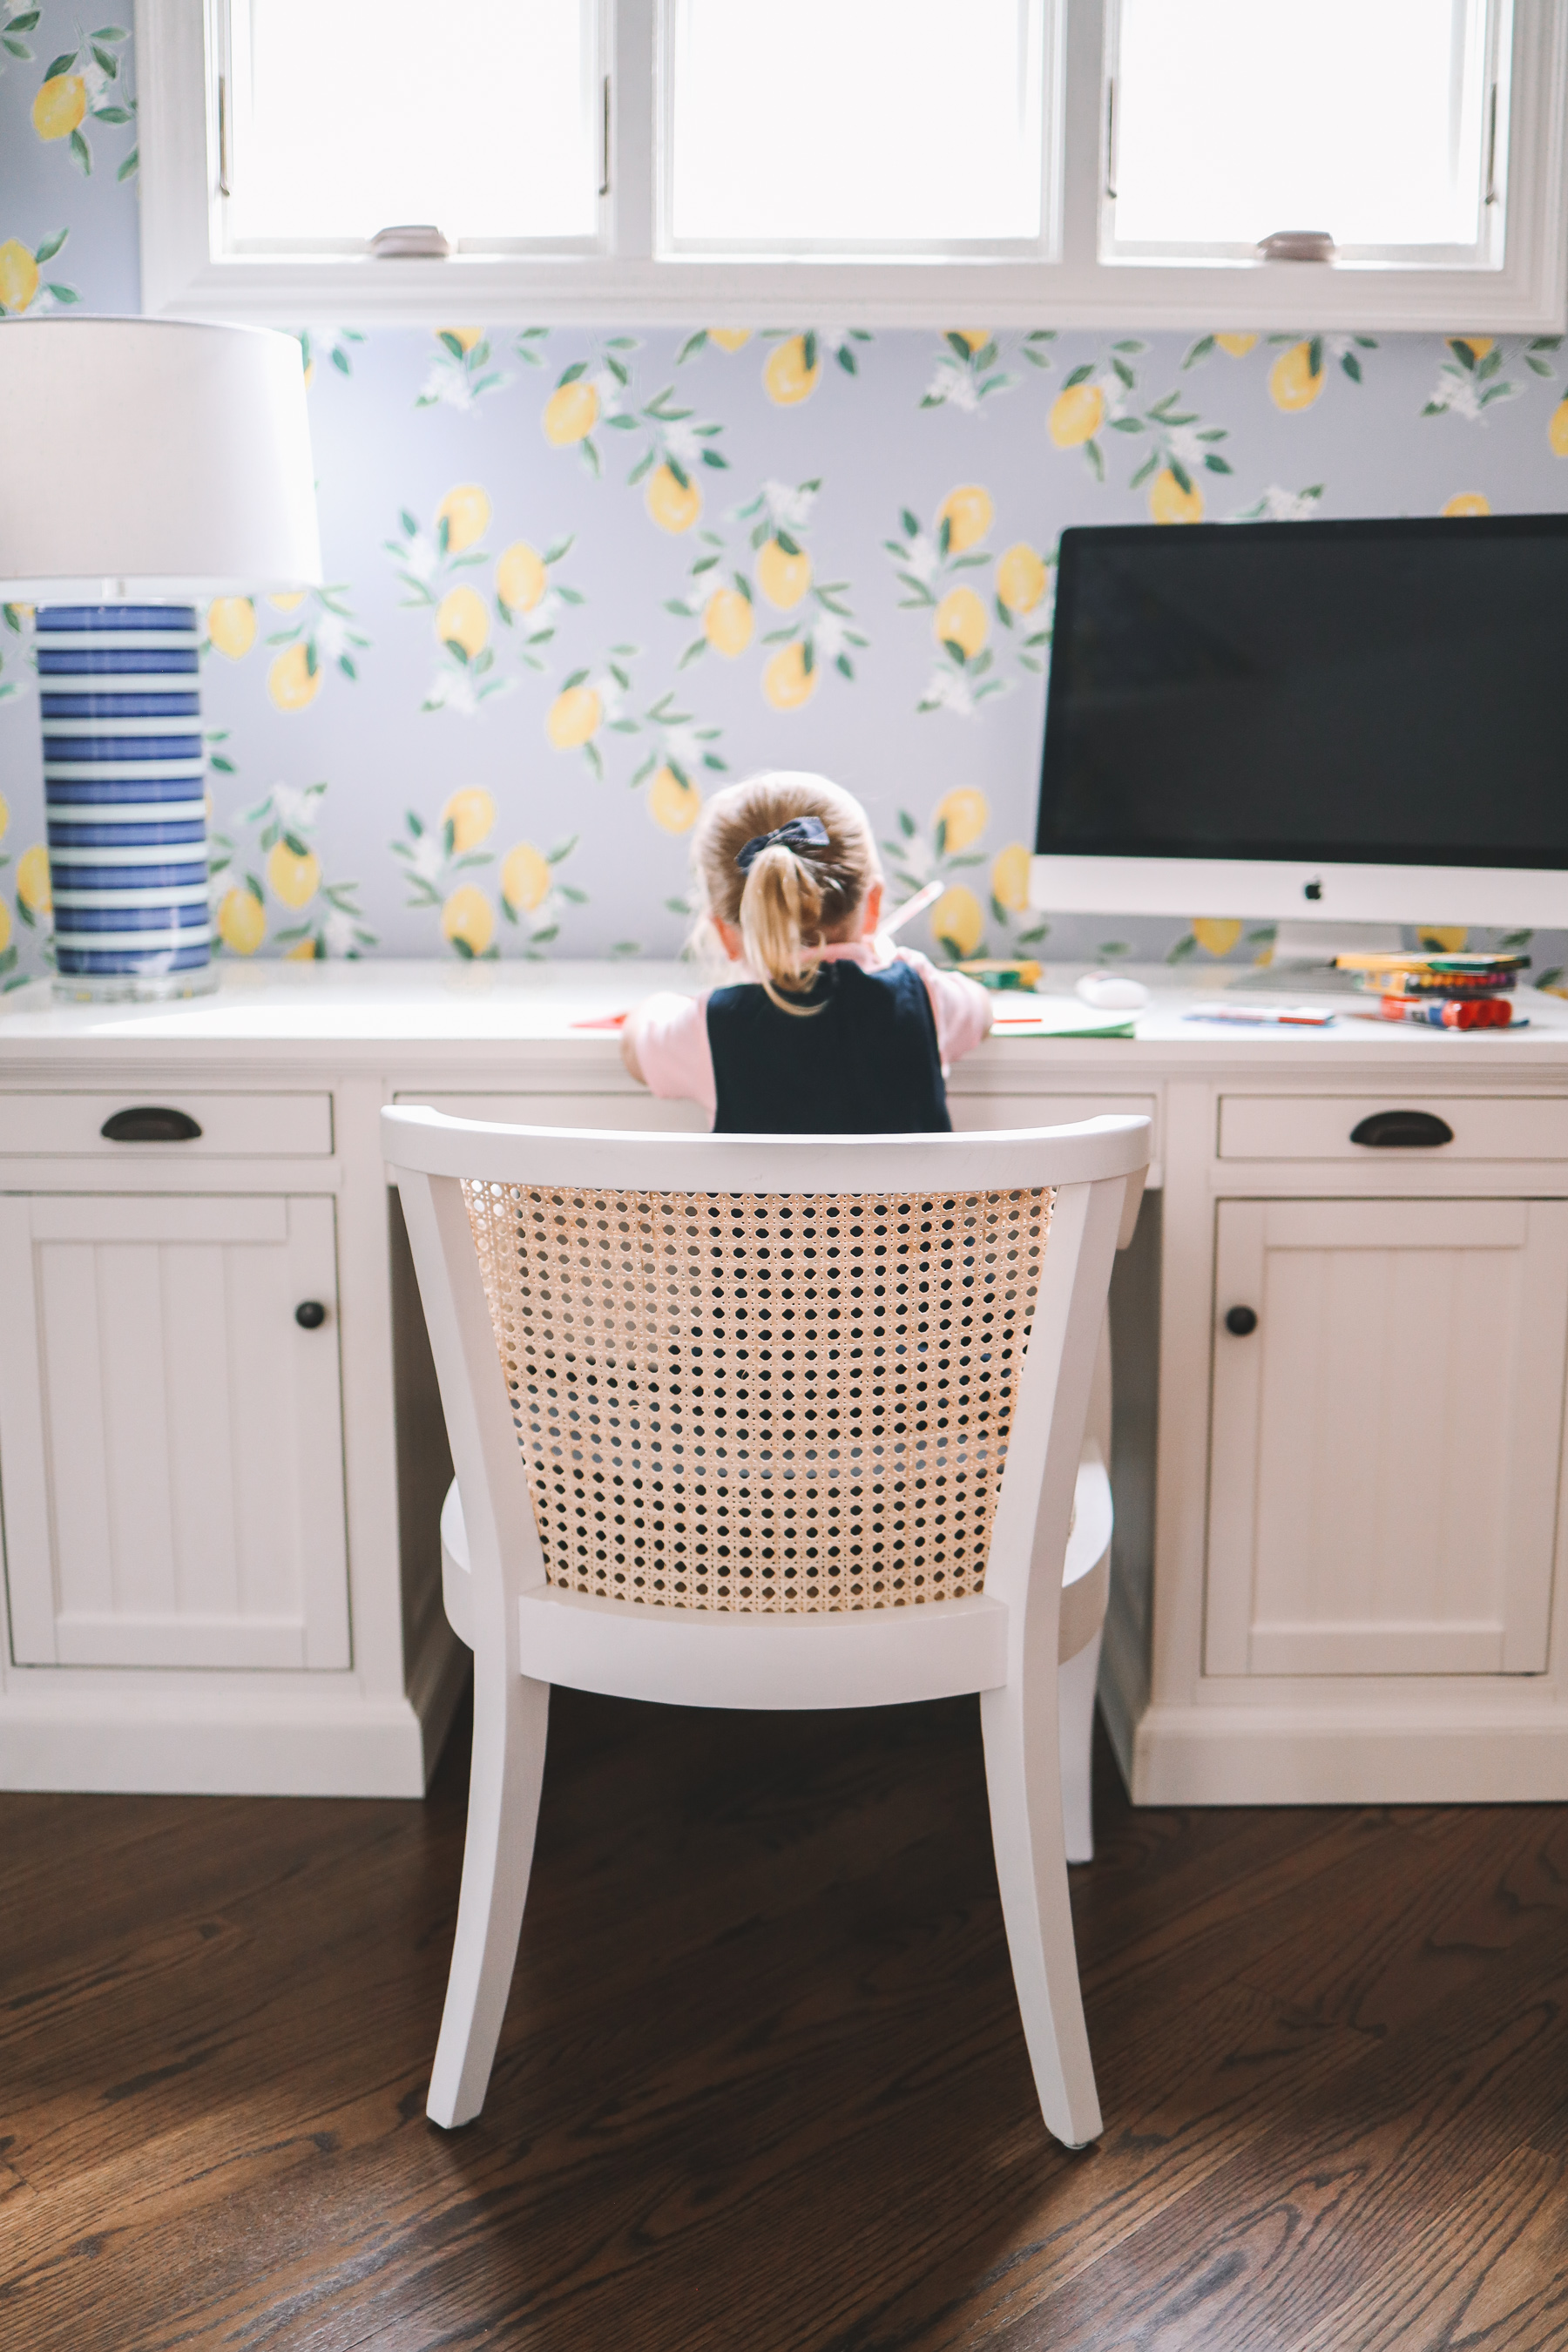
(670, 1033)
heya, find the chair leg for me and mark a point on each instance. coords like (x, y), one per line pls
(1076, 1680)
(511, 1722)
(1023, 1778)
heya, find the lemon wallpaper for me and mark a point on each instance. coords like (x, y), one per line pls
(577, 579)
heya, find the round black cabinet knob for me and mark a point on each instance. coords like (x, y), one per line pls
(1241, 1320)
(310, 1315)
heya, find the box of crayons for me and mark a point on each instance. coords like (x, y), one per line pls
(1440, 991)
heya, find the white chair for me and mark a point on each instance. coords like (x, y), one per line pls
(762, 1421)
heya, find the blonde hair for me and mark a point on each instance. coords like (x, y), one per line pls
(791, 901)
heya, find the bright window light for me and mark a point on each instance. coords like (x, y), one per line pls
(1369, 119)
(854, 123)
(480, 116)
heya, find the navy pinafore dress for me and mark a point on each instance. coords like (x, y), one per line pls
(868, 1063)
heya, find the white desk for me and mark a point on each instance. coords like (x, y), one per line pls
(1338, 1537)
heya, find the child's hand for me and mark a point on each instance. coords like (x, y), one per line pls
(629, 1046)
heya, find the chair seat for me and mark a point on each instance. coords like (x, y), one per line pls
(862, 1657)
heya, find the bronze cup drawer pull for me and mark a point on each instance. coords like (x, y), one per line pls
(150, 1123)
(1402, 1130)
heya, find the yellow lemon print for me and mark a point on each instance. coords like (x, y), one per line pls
(59, 106)
(673, 505)
(672, 803)
(728, 622)
(957, 920)
(466, 511)
(967, 512)
(1469, 502)
(786, 681)
(786, 378)
(975, 337)
(468, 918)
(783, 578)
(1292, 383)
(5, 927)
(520, 577)
(962, 620)
(1076, 415)
(302, 951)
(1237, 346)
(729, 338)
(231, 626)
(18, 276)
(573, 718)
(33, 880)
(461, 619)
(1478, 346)
(1215, 935)
(467, 337)
(524, 877)
(5, 815)
(1443, 938)
(1021, 578)
(294, 879)
(287, 600)
(241, 921)
(470, 814)
(291, 682)
(963, 816)
(1010, 878)
(571, 413)
(1168, 502)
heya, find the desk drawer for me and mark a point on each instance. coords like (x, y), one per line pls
(229, 1127)
(1319, 1127)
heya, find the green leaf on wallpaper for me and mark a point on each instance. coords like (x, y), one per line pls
(846, 359)
(18, 49)
(1092, 451)
(106, 61)
(111, 33)
(114, 114)
(1150, 465)
(61, 65)
(715, 457)
(576, 677)
(1124, 374)
(1352, 366)
(81, 154)
(1127, 424)
(50, 246)
(691, 346)
(127, 169)
(1315, 356)
(25, 22)
(1216, 464)
(1200, 350)
(808, 351)
(453, 342)
(1078, 375)
(644, 466)
(66, 294)
(569, 375)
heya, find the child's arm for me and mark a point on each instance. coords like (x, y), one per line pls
(664, 1045)
(961, 1007)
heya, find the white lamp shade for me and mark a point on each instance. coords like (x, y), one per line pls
(146, 458)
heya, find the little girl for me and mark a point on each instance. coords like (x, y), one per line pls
(826, 1028)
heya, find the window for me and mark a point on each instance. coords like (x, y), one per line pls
(1158, 163)
(1372, 121)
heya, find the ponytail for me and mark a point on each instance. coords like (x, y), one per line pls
(780, 906)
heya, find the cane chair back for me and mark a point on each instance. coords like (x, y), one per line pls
(762, 1402)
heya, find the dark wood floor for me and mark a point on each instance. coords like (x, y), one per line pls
(762, 2083)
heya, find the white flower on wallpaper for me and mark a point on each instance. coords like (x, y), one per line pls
(1280, 505)
(969, 367)
(279, 868)
(1474, 374)
(932, 565)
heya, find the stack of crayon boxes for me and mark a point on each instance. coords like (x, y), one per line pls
(1448, 992)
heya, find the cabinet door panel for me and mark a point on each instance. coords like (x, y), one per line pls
(1384, 1455)
(171, 1440)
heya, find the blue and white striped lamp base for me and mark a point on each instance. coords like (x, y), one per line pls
(125, 800)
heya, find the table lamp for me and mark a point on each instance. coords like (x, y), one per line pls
(143, 462)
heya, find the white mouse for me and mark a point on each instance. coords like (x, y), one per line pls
(1113, 991)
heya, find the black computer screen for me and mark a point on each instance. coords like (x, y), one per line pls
(1392, 693)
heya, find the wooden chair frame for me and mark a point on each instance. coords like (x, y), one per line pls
(1004, 1642)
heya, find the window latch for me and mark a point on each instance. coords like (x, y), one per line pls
(411, 241)
(1297, 244)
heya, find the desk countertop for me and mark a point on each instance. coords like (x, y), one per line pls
(355, 1016)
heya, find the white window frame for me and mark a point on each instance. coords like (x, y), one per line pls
(625, 276)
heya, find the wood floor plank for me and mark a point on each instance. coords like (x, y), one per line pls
(762, 2085)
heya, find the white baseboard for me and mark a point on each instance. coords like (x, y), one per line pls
(1334, 1756)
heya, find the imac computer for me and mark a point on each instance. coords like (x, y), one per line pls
(1330, 725)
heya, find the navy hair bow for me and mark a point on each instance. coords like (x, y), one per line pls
(800, 833)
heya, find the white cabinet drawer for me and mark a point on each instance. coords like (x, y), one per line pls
(230, 1127)
(631, 1113)
(1322, 1127)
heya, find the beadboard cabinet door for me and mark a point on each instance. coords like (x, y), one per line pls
(171, 1432)
(1386, 1441)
